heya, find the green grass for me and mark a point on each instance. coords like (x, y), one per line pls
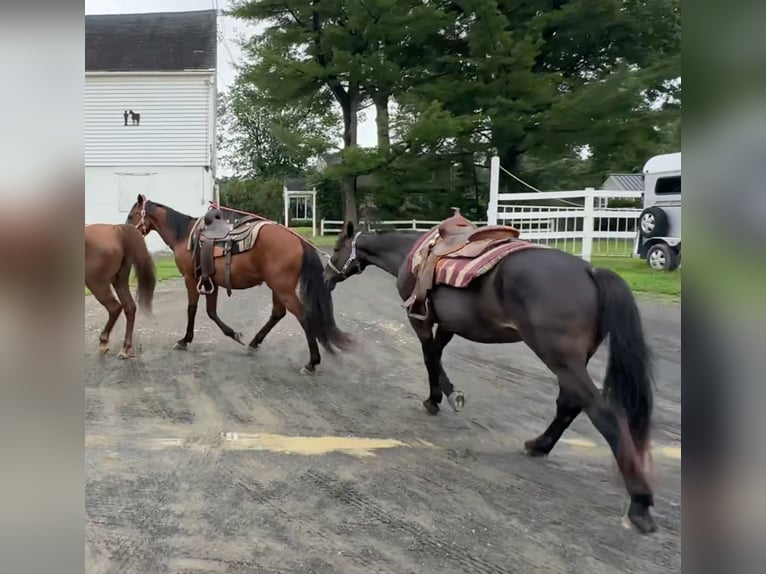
(319, 240)
(641, 278)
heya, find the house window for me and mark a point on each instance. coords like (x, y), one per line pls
(668, 185)
(129, 185)
(300, 208)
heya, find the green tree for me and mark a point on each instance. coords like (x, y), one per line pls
(261, 141)
(306, 58)
(548, 77)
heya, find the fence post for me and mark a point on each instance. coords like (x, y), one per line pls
(415, 224)
(587, 224)
(494, 189)
(321, 226)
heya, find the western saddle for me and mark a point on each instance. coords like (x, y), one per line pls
(456, 237)
(217, 238)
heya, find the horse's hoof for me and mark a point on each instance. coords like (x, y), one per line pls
(252, 349)
(238, 338)
(641, 520)
(533, 448)
(457, 400)
(180, 346)
(431, 407)
(126, 354)
(308, 370)
(103, 349)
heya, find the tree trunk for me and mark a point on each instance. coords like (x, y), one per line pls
(382, 122)
(509, 160)
(350, 127)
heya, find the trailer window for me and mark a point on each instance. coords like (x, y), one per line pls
(668, 185)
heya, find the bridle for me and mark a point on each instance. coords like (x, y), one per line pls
(352, 258)
(141, 225)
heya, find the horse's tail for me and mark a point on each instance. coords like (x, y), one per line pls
(628, 383)
(317, 302)
(138, 254)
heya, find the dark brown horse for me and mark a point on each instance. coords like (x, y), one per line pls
(562, 308)
(279, 258)
(110, 253)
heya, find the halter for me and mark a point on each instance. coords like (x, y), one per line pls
(351, 259)
(141, 225)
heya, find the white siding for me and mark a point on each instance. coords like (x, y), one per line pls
(111, 191)
(177, 120)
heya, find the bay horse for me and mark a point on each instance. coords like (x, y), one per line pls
(562, 308)
(111, 250)
(279, 258)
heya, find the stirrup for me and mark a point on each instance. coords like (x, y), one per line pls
(201, 289)
(418, 316)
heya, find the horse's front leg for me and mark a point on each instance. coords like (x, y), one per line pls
(211, 305)
(455, 398)
(431, 358)
(192, 298)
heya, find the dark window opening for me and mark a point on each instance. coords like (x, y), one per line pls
(668, 185)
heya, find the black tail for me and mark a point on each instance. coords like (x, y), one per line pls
(628, 384)
(317, 302)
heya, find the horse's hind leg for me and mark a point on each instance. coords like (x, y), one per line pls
(122, 288)
(567, 409)
(278, 311)
(103, 294)
(576, 382)
(293, 304)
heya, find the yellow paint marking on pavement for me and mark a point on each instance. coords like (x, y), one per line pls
(581, 442)
(673, 452)
(307, 445)
(235, 441)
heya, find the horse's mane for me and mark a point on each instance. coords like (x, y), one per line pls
(177, 221)
(390, 231)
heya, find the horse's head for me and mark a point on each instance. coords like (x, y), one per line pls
(345, 260)
(142, 215)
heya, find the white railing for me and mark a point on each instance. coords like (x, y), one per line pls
(577, 225)
(333, 227)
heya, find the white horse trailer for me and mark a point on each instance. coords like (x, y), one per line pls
(659, 230)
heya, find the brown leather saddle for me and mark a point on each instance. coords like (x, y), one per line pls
(457, 237)
(217, 238)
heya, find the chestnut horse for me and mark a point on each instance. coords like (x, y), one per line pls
(279, 258)
(110, 253)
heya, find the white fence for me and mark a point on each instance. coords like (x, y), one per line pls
(581, 223)
(333, 227)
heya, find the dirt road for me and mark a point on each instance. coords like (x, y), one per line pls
(216, 460)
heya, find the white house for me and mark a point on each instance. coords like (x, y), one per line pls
(150, 113)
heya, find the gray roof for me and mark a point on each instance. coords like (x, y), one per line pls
(158, 41)
(296, 184)
(624, 182)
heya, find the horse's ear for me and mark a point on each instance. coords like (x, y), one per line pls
(349, 229)
(140, 200)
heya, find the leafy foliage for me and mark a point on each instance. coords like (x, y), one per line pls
(535, 81)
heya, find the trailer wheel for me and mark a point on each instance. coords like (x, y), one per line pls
(662, 257)
(653, 222)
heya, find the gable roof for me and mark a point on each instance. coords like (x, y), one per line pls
(159, 41)
(624, 182)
